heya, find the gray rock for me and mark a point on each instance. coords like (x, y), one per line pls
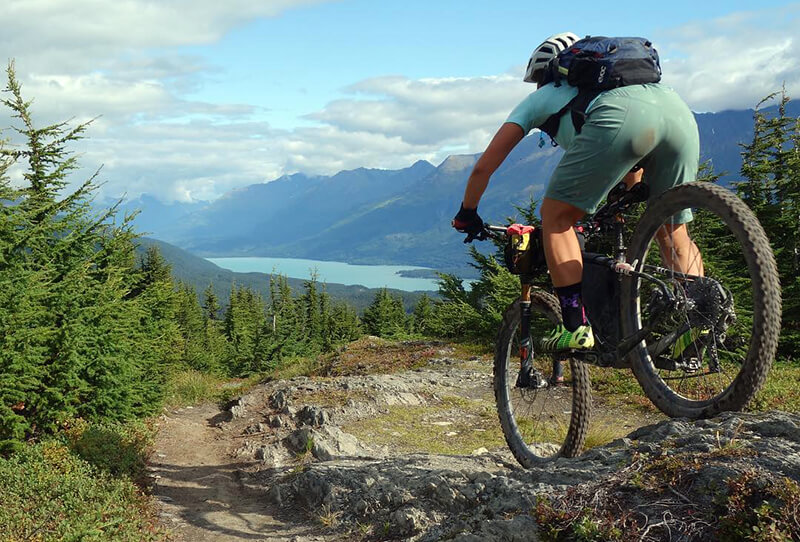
(279, 400)
(486, 497)
(407, 521)
(269, 455)
(313, 415)
(277, 421)
(274, 495)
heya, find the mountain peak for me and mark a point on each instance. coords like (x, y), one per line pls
(458, 162)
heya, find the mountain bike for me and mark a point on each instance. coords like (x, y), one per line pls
(699, 339)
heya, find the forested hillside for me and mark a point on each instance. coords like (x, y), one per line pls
(200, 274)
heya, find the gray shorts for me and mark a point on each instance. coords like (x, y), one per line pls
(647, 125)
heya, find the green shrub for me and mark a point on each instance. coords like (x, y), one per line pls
(759, 507)
(113, 448)
(48, 493)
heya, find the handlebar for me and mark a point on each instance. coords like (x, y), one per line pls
(489, 230)
(619, 200)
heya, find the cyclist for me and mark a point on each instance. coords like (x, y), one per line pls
(645, 126)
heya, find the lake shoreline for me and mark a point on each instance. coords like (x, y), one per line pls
(400, 277)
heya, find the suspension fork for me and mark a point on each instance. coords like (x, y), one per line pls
(525, 350)
(525, 346)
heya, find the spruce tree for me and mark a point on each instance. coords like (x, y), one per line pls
(74, 340)
(423, 316)
(284, 322)
(771, 187)
(311, 317)
(211, 306)
(385, 317)
(343, 326)
(192, 324)
(245, 326)
(214, 341)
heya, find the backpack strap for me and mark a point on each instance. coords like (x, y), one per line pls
(577, 107)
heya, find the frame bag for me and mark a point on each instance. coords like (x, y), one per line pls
(524, 253)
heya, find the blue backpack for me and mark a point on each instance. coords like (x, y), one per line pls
(595, 64)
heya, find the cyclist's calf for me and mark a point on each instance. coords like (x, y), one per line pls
(678, 251)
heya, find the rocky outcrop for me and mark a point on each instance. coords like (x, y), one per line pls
(677, 478)
(426, 497)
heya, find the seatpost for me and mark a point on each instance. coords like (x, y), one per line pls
(526, 293)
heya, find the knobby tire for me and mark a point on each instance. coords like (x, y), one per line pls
(663, 387)
(523, 443)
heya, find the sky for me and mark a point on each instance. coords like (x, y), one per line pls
(193, 99)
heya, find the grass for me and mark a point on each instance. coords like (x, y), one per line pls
(293, 367)
(453, 426)
(190, 387)
(781, 391)
(601, 433)
(118, 449)
(618, 388)
(371, 355)
(329, 518)
(473, 350)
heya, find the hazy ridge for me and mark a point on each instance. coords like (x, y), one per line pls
(374, 216)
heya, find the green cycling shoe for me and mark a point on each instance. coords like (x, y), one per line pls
(561, 339)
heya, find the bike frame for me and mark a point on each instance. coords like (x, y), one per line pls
(609, 218)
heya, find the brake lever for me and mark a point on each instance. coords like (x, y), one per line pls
(480, 236)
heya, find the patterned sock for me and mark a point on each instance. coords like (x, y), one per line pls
(572, 312)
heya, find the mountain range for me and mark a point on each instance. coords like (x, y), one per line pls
(376, 216)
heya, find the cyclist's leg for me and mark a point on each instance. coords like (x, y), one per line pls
(678, 251)
(595, 161)
(671, 162)
(561, 247)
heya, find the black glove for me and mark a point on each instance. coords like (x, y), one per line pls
(467, 221)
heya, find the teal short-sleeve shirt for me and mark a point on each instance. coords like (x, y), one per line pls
(648, 125)
(539, 105)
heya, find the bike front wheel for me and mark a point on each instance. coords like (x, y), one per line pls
(711, 325)
(550, 417)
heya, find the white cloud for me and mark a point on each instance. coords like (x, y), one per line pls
(427, 111)
(120, 61)
(125, 61)
(98, 28)
(734, 61)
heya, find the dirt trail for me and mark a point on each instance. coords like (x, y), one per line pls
(199, 484)
(220, 475)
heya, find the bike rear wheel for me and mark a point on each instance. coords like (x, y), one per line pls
(539, 423)
(709, 349)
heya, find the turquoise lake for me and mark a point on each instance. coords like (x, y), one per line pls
(371, 276)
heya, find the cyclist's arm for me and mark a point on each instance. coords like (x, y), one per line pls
(501, 145)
